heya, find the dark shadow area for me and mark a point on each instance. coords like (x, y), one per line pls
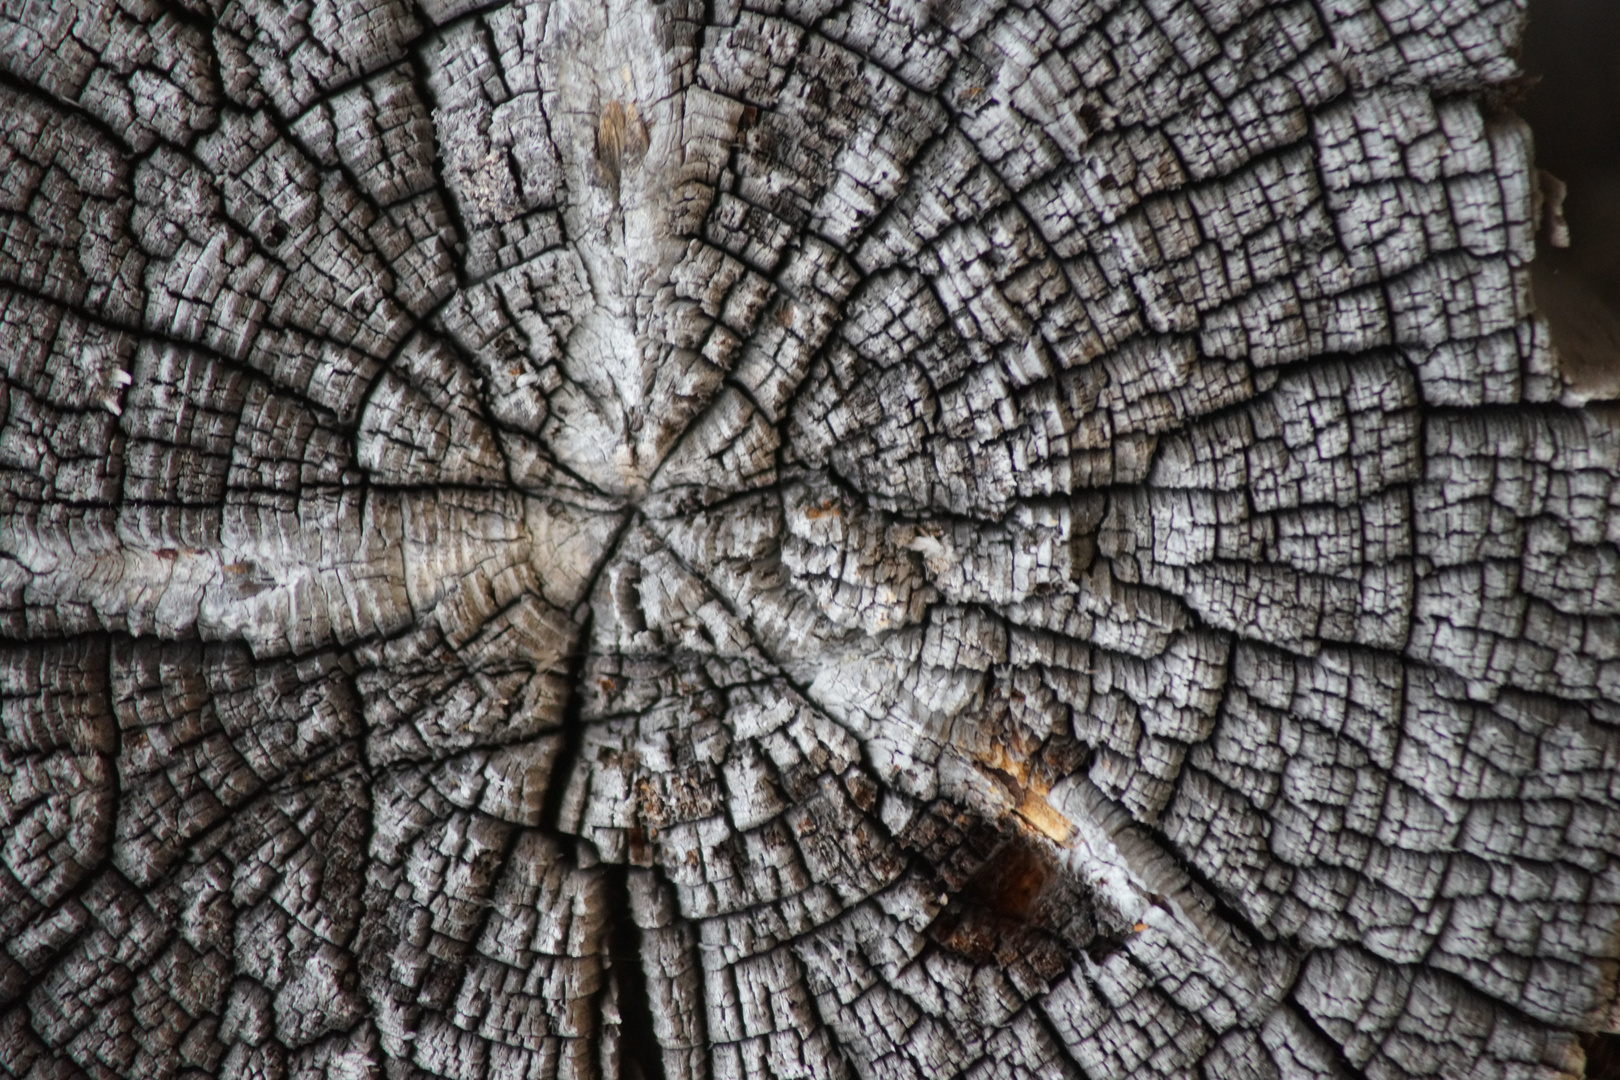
(1572, 55)
(639, 1054)
(1602, 1056)
(1572, 47)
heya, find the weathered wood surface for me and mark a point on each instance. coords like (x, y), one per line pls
(809, 539)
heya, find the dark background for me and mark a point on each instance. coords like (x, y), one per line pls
(1572, 57)
(1573, 48)
(1574, 109)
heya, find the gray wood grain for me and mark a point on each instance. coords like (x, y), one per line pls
(796, 539)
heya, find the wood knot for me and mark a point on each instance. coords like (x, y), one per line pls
(621, 142)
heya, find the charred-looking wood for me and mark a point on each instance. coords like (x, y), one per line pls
(801, 539)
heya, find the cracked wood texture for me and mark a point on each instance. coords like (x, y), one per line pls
(697, 541)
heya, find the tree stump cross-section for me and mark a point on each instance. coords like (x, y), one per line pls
(692, 541)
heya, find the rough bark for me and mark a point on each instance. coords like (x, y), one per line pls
(795, 539)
